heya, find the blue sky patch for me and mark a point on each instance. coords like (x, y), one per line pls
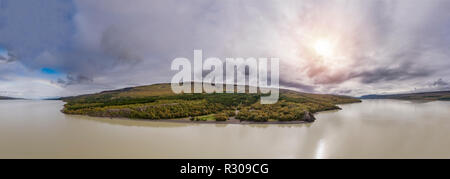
(49, 71)
(3, 51)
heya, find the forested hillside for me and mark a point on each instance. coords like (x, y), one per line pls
(158, 102)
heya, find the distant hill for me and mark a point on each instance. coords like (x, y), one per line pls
(159, 102)
(7, 98)
(438, 95)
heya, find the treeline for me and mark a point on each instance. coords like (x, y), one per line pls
(226, 99)
(158, 110)
(160, 107)
(216, 106)
(281, 111)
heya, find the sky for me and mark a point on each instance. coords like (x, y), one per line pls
(57, 48)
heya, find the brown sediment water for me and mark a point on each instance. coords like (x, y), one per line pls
(371, 129)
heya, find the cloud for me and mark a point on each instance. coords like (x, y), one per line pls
(29, 28)
(298, 86)
(378, 45)
(7, 57)
(73, 80)
(440, 83)
(386, 74)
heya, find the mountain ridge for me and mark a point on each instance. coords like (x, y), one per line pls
(433, 95)
(8, 98)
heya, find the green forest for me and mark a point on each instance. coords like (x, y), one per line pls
(158, 102)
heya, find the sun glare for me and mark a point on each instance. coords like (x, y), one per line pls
(324, 48)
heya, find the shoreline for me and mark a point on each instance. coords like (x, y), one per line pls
(188, 121)
(158, 103)
(232, 120)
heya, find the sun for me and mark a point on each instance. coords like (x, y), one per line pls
(324, 48)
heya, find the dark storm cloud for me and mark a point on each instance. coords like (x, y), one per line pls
(440, 83)
(75, 79)
(343, 91)
(117, 48)
(297, 85)
(386, 74)
(30, 28)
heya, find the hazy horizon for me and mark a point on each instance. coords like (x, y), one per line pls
(360, 96)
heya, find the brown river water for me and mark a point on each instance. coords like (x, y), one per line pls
(371, 129)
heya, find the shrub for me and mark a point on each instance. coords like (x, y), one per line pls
(230, 113)
(221, 117)
(199, 118)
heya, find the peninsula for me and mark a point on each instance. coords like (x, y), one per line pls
(158, 102)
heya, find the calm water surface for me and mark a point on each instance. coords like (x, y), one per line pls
(372, 129)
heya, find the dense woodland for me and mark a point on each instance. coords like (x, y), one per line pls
(156, 102)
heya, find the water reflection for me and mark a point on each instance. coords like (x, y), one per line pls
(320, 150)
(372, 129)
(160, 123)
(128, 122)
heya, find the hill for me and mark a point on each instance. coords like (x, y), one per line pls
(159, 102)
(432, 96)
(7, 98)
